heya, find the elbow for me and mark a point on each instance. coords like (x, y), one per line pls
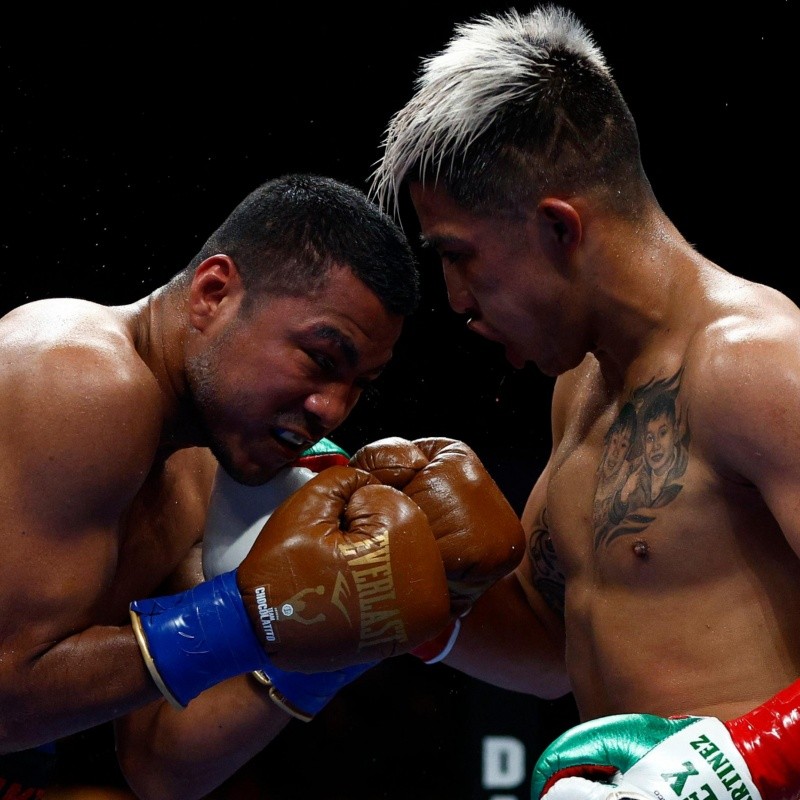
(142, 774)
(151, 778)
(145, 784)
(140, 771)
(21, 727)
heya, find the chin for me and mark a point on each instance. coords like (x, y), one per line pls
(515, 362)
(256, 477)
(561, 362)
(514, 358)
(249, 474)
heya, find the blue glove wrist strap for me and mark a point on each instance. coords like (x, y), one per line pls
(195, 639)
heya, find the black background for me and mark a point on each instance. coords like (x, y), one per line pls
(127, 135)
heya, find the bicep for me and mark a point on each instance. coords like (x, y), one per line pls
(187, 574)
(776, 476)
(539, 572)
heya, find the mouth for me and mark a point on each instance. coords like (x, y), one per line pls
(476, 325)
(291, 439)
(487, 332)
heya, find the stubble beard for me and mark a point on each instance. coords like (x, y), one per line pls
(202, 383)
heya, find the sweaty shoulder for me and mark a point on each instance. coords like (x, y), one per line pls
(577, 393)
(81, 408)
(742, 379)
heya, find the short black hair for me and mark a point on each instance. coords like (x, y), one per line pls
(288, 233)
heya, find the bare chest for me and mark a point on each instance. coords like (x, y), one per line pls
(630, 488)
(670, 563)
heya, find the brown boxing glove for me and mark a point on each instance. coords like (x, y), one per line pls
(479, 534)
(346, 570)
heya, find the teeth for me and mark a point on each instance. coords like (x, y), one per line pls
(290, 436)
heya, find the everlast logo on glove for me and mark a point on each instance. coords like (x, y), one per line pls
(345, 571)
(372, 572)
(380, 620)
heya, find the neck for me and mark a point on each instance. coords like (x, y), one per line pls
(158, 329)
(644, 294)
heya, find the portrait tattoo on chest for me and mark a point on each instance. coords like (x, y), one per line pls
(645, 454)
(547, 576)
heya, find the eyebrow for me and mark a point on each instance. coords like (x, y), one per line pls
(344, 343)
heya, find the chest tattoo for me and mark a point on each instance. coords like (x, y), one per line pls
(645, 455)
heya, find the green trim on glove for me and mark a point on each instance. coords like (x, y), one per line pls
(324, 447)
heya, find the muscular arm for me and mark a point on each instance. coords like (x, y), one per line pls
(752, 429)
(508, 642)
(76, 444)
(514, 637)
(166, 753)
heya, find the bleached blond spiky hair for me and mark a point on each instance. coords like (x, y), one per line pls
(517, 94)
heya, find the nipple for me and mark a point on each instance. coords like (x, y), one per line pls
(641, 549)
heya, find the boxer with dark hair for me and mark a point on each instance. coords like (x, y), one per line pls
(523, 165)
(114, 420)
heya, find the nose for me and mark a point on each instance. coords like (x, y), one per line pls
(459, 297)
(331, 404)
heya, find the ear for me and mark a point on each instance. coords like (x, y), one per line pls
(216, 287)
(563, 229)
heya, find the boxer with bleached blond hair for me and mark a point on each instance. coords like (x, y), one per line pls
(672, 609)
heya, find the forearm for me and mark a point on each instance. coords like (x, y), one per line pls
(507, 642)
(79, 682)
(166, 753)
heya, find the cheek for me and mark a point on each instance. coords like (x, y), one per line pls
(524, 323)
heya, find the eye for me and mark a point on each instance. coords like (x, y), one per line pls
(322, 360)
(451, 256)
